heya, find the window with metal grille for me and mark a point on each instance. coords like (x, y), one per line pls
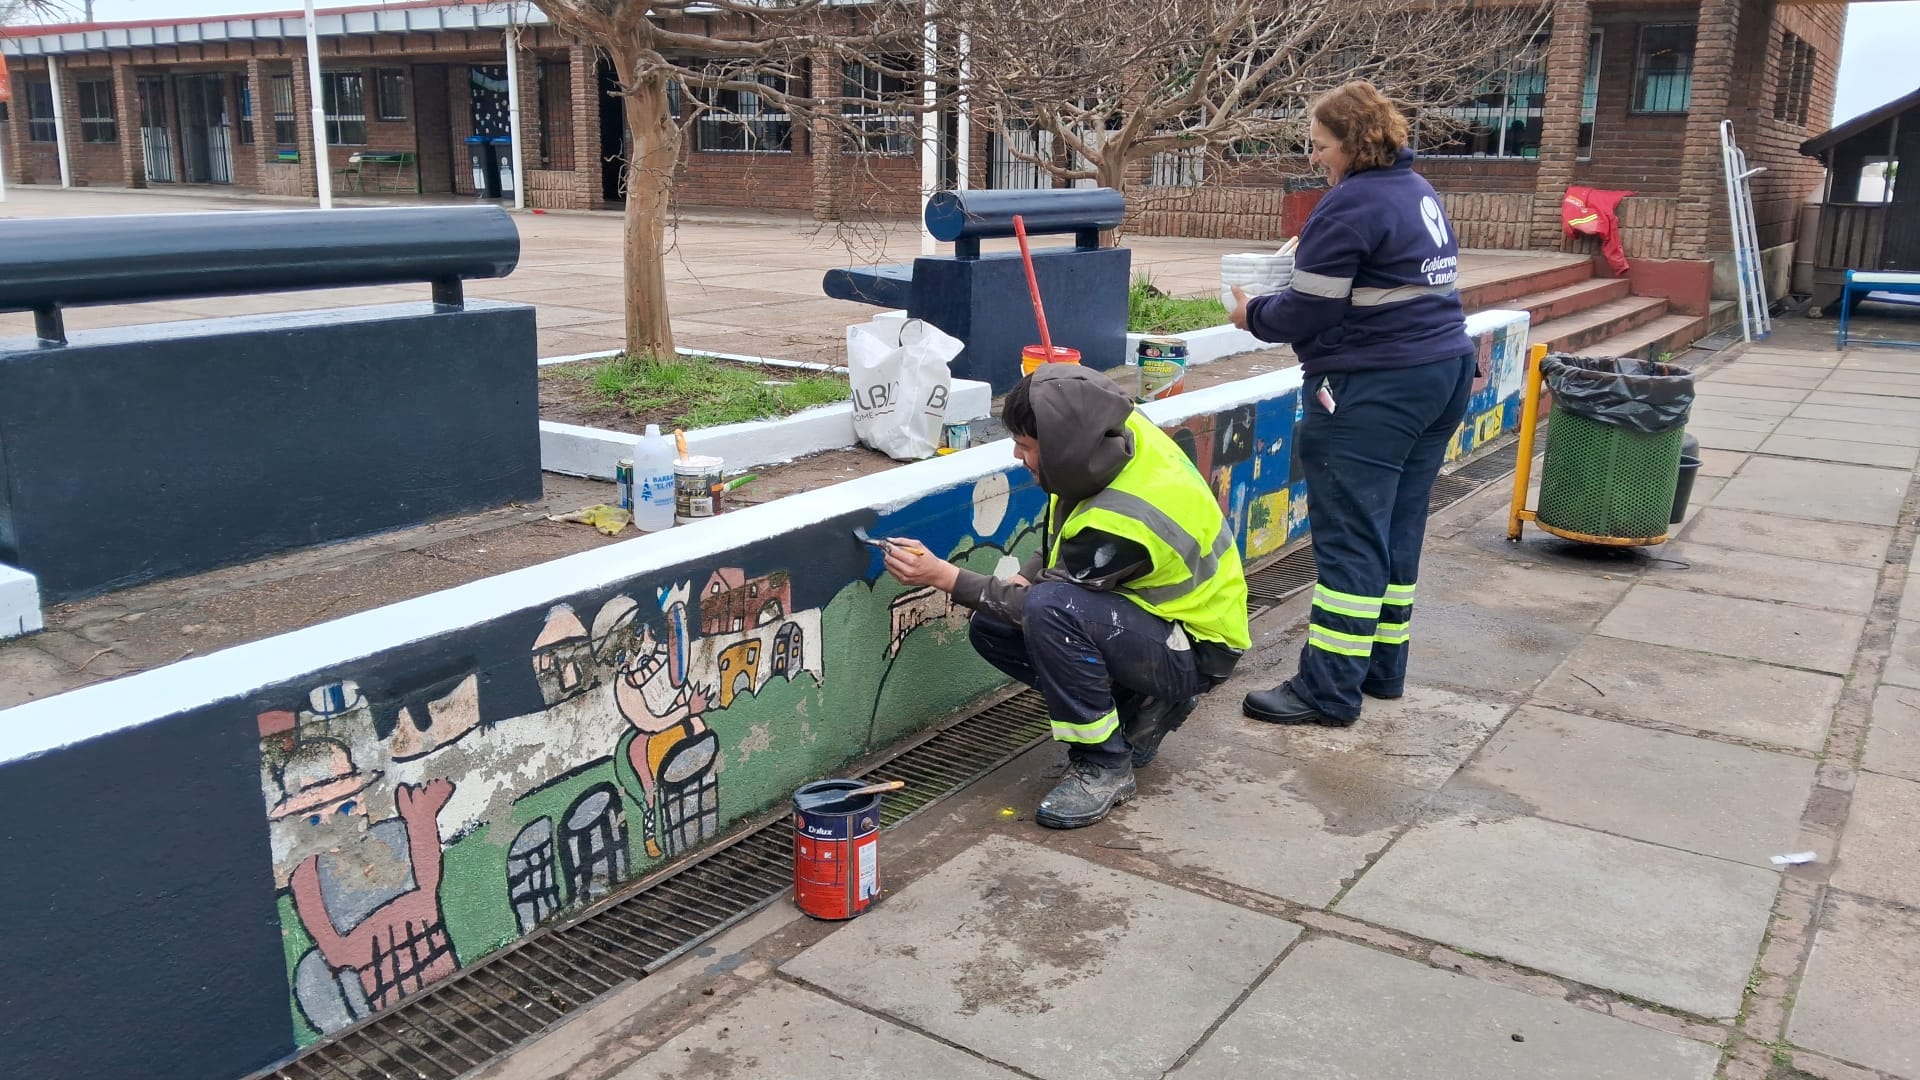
(285, 131)
(1663, 69)
(390, 93)
(740, 120)
(243, 93)
(1502, 116)
(96, 112)
(1590, 97)
(40, 125)
(884, 128)
(556, 115)
(1795, 88)
(344, 95)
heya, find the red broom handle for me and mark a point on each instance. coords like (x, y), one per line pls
(1033, 286)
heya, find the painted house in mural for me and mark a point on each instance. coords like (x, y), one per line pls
(1620, 94)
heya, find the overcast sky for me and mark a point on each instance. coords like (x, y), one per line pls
(1876, 65)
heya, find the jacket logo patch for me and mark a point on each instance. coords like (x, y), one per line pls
(1434, 220)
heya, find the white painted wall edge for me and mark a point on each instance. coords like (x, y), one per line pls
(593, 452)
(1209, 343)
(19, 602)
(102, 708)
(742, 358)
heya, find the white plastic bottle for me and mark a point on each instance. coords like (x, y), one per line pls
(653, 481)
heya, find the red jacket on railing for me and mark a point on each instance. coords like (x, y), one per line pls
(1591, 211)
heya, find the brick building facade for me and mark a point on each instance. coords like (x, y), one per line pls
(1618, 94)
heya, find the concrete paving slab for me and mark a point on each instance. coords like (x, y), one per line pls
(1751, 393)
(1816, 489)
(1326, 821)
(1704, 489)
(1882, 385)
(1859, 453)
(26, 673)
(1893, 741)
(1825, 361)
(1744, 405)
(1695, 794)
(1880, 846)
(1821, 541)
(1856, 999)
(1749, 629)
(1907, 434)
(1764, 375)
(1910, 590)
(1484, 625)
(1668, 926)
(1742, 698)
(1335, 1010)
(1417, 741)
(1719, 438)
(1859, 415)
(1023, 954)
(1761, 576)
(1721, 463)
(1864, 401)
(1903, 665)
(1706, 416)
(778, 1029)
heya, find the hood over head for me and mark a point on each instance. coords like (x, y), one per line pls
(1080, 421)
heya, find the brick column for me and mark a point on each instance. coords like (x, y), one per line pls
(583, 75)
(1560, 124)
(126, 102)
(260, 88)
(18, 171)
(303, 91)
(530, 118)
(824, 142)
(1701, 228)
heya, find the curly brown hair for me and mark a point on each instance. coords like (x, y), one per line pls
(1370, 127)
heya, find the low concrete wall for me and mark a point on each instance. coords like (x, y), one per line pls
(217, 860)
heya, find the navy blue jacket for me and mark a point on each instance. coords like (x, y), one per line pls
(1373, 280)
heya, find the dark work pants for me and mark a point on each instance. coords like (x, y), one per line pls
(1370, 467)
(1080, 649)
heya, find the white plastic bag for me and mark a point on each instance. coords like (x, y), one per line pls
(898, 369)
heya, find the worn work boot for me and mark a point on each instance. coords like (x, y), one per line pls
(1281, 705)
(1147, 720)
(1084, 795)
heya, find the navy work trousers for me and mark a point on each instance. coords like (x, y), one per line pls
(1084, 651)
(1370, 466)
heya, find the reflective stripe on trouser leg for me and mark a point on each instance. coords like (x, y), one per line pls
(1387, 668)
(1396, 616)
(1094, 733)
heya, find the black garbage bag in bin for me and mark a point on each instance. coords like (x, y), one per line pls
(1639, 395)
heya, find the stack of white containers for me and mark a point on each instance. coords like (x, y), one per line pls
(1255, 272)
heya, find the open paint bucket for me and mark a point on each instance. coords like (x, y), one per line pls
(836, 851)
(698, 488)
(1033, 356)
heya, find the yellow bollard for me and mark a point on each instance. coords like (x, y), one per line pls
(1523, 467)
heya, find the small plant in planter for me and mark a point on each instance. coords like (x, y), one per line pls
(1151, 311)
(689, 391)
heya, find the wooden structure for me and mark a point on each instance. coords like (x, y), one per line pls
(1878, 235)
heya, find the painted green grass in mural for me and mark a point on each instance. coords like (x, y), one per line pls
(1150, 311)
(700, 391)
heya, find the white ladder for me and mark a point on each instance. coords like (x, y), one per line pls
(1755, 322)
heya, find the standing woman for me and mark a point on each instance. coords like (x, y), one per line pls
(1373, 312)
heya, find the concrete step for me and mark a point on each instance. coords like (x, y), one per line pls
(1649, 340)
(1497, 285)
(1559, 303)
(1576, 333)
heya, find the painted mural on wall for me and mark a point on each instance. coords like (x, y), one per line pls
(441, 801)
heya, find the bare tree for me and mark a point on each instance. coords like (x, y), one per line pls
(1100, 86)
(715, 55)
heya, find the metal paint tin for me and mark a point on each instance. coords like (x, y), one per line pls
(836, 852)
(1163, 367)
(699, 490)
(623, 479)
(956, 436)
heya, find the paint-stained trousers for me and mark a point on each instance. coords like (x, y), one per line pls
(1083, 650)
(1370, 466)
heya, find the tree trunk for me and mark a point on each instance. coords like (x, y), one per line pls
(655, 140)
(1112, 173)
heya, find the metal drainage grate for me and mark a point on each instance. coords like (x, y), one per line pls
(1494, 464)
(485, 1010)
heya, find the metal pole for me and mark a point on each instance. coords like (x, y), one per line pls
(59, 124)
(322, 173)
(929, 128)
(963, 116)
(3, 171)
(513, 115)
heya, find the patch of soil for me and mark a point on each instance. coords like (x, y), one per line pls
(566, 399)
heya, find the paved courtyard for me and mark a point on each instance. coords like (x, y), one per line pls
(1552, 859)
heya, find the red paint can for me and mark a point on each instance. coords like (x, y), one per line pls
(836, 852)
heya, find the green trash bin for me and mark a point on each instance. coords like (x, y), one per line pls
(1613, 448)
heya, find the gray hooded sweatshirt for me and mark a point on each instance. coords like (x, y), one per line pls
(1080, 418)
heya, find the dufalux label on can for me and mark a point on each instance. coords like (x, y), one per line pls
(956, 436)
(623, 479)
